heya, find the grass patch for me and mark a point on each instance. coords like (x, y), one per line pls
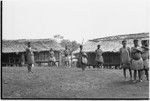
(57, 82)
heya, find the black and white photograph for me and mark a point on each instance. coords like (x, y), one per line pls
(75, 49)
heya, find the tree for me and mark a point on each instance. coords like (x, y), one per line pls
(72, 45)
(65, 42)
(58, 37)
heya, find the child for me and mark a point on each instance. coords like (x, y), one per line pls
(125, 59)
(29, 57)
(99, 57)
(136, 61)
(145, 57)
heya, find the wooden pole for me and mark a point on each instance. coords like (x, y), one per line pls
(60, 58)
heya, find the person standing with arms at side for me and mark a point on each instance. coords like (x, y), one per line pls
(99, 57)
(145, 57)
(66, 56)
(136, 61)
(52, 59)
(125, 59)
(82, 59)
(29, 57)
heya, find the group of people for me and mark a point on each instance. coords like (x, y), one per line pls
(82, 58)
(52, 60)
(135, 59)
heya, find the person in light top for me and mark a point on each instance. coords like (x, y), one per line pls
(125, 59)
(52, 59)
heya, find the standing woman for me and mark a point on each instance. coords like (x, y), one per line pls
(99, 57)
(82, 59)
(125, 59)
(29, 57)
(136, 61)
(145, 57)
(52, 59)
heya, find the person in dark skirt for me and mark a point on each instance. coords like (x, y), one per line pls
(99, 57)
(29, 57)
(82, 59)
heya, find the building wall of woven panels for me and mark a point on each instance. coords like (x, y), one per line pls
(44, 55)
(11, 59)
(110, 58)
(18, 59)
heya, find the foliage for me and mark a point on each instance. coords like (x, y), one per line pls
(58, 36)
(72, 45)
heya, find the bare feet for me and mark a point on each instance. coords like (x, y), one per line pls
(134, 81)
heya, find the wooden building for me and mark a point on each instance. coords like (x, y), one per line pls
(110, 47)
(13, 51)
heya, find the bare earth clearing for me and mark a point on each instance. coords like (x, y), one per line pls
(57, 82)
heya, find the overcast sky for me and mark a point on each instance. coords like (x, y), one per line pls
(73, 19)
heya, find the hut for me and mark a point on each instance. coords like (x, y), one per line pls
(110, 47)
(13, 51)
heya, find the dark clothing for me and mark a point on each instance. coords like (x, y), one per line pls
(82, 58)
(29, 67)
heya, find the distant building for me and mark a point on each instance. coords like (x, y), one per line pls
(13, 51)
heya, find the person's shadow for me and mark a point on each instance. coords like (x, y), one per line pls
(120, 83)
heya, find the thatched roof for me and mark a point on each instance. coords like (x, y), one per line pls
(121, 37)
(113, 43)
(9, 46)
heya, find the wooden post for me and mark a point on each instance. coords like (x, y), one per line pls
(8, 60)
(22, 59)
(60, 58)
(71, 59)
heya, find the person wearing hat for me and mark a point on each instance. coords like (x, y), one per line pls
(52, 59)
(82, 59)
(29, 57)
(125, 59)
(145, 57)
(136, 60)
(99, 57)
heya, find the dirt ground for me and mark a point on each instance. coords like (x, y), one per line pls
(57, 82)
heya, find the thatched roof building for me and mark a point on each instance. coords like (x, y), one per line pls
(14, 50)
(10, 46)
(112, 43)
(110, 46)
